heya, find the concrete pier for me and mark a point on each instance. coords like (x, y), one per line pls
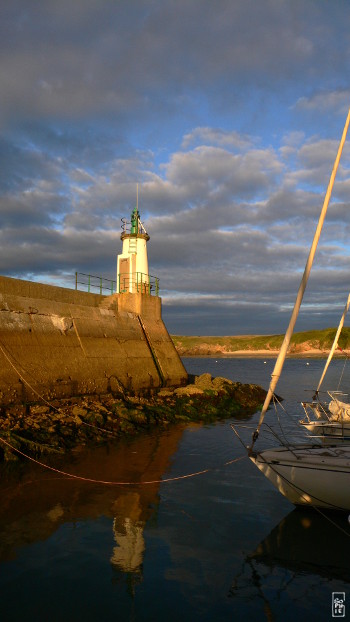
(56, 343)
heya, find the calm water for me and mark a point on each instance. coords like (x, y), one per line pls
(223, 545)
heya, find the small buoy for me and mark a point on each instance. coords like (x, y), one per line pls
(349, 518)
(264, 362)
(307, 363)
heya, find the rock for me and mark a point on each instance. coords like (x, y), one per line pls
(221, 383)
(79, 412)
(191, 389)
(115, 386)
(69, 423)
(165, 393)
(10, 456)
(135, 400)
(98, 407)
(39, 410)
(204, 381)
(139, 418)
(95, 418)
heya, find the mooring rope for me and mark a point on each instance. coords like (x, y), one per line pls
(112, 483)
(24, 380)
(40, 396)
(88, 479)
(306, 495)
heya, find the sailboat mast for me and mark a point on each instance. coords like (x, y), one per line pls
(335, 344)
(285, 345)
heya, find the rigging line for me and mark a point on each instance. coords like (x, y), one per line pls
(96, 427)
(40, 396)
(48, 403)
(274, 433)
(276, 401)
(111, 483)
(234, 460)
(24, 380)
(335, 343)
(287, 446)
(293, 422)
(317, 509)
(303, 283)
(18, 363)
(300, 489)
(283, 408)
(341, 377)
(331, 521)
(303, 492)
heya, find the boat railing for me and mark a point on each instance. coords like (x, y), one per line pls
(315, 409)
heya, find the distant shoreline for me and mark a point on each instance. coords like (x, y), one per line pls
(268, 354)
(307, 344)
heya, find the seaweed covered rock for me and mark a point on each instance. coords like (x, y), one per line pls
(67, 424)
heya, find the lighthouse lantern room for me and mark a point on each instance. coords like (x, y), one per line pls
(132, 267)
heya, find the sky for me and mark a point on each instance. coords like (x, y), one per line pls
(227, 114)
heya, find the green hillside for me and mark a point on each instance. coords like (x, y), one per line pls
(301, 343)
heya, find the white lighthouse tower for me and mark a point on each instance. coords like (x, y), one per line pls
(132, 267)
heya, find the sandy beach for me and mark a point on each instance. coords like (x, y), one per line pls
(267, 354)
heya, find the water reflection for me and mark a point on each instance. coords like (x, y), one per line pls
(128, 533)
(308, 541)
(35, 502)
(306, 550)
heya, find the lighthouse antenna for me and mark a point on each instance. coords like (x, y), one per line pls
(137, 197)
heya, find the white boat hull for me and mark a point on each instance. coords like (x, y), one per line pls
(309, 475)
(328, 429)
(328, 420)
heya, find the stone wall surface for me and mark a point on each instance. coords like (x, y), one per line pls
(57, 342)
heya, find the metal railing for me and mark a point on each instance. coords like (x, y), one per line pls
(135, 282)
(132, 227)
(91, 283)
(139, 282)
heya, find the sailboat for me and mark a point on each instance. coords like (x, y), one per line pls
(308, 474)
(332, 418)
(329, 419)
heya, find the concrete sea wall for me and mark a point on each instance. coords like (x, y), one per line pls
(56, 343)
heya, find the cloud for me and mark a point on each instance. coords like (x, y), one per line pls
(227, 115)
(215, 136)
(213, 236)
(326, 101)
(108, 58)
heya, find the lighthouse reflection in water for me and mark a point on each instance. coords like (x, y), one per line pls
(223, 545)
(128, 532)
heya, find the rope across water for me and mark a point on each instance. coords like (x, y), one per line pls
(112, 483)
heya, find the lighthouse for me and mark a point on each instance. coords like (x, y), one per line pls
(132, 267)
